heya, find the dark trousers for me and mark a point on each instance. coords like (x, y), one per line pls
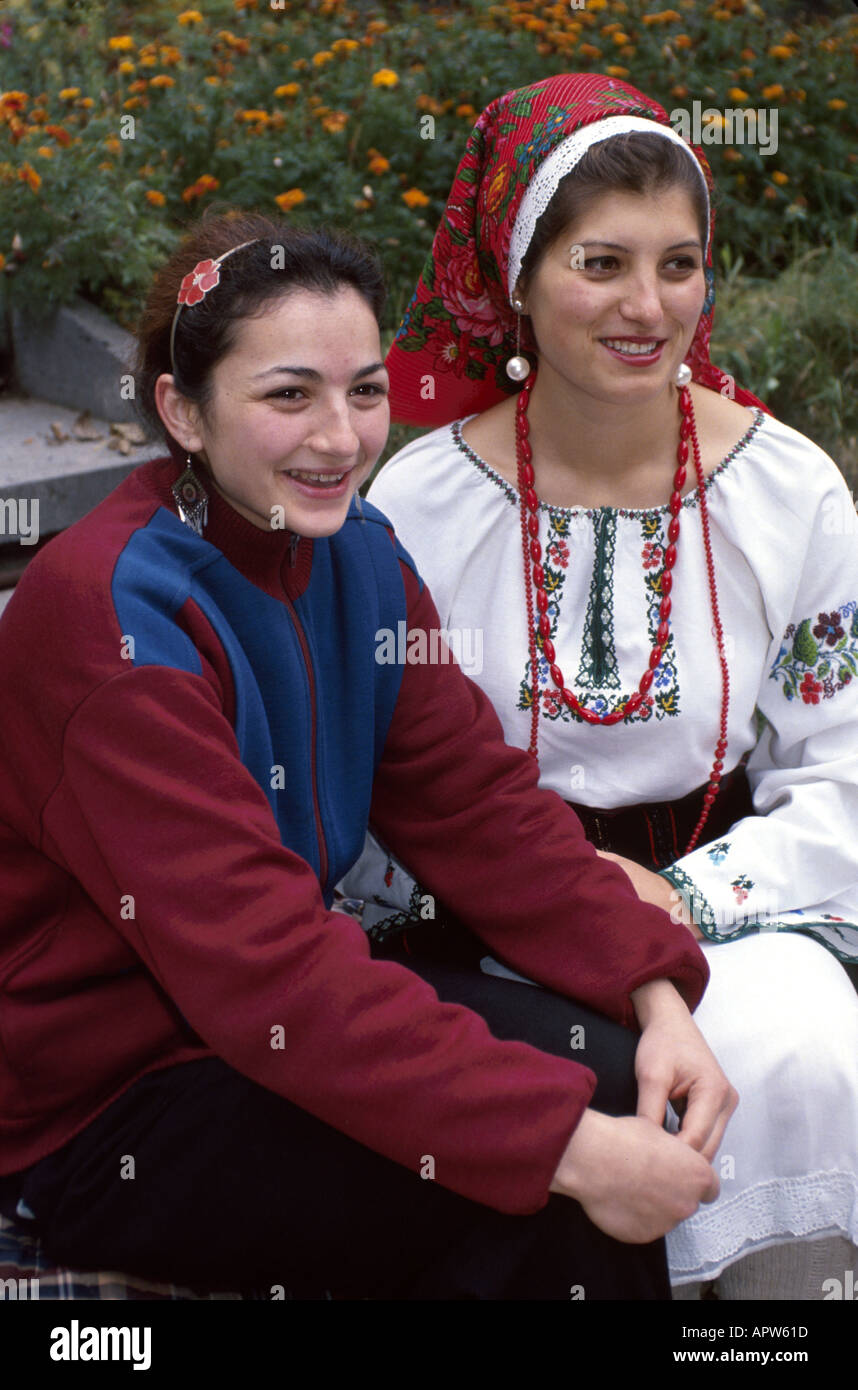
(236, 1188)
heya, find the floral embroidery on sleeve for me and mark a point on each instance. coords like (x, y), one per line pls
(741, 887)
(817, 659)
(718, 852)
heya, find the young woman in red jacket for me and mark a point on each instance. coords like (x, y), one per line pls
(209, 1074)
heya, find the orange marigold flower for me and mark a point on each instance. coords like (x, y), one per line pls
(162, 80)
(59, 133)
(300, 64)
(683, 41)
(385, 77)
(589, 50)
(319, 59)
(122, 43)
(68, 93)
(780, 50)
(38, 113)
(733, 155)
(213, 80)
(45, 151)
(155, 197)
(132, 103)
(252, 115)
(466, 109)
(614, 71)
(773, 90)
(290, 199)
(112, 144)
(204, 184)
(189, 17)
(27, 174)
(288, 89)
(85, 101)
(12, 101)
(2, 261)
(414, 198)
(335, 122)
(147, 60)
(345, 45)
(837, 104)
(780, 178)
(747, 55)
(127, 68)
(770, 192)
(737, 94)
(138, 85)
(378, 164)
(376, 26)
(170, 54)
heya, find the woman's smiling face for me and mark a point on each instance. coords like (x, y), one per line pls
(617, 328)
(302, 393)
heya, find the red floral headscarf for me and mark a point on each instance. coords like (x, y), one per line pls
(450, 353)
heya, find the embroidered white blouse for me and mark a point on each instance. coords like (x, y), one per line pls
(783, 532)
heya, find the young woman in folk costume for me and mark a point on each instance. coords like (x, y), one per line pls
(679, 658)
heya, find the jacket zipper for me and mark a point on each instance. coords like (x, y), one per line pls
(323, 849)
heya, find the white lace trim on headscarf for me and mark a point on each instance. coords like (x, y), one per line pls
(564, 158)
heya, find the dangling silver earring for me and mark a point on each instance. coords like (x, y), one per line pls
(192, 501)
(359, 505)
(683, 375)
(518, 367)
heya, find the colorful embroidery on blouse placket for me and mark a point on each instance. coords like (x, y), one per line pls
(598, 668)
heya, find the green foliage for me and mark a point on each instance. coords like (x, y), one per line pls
(133, 155)
(793, 341)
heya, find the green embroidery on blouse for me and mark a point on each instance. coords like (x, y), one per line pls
(598, 668)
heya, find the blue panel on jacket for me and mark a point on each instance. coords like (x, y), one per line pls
(355, 589)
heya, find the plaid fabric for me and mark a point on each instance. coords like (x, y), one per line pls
(27, 1273)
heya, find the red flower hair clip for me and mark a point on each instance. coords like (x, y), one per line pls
(197, 283)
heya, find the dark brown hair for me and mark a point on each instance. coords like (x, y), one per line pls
(281, 259)
(636, 162)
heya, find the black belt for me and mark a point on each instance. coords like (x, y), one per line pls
(655, 834)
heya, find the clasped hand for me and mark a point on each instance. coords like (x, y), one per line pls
(634, 1180)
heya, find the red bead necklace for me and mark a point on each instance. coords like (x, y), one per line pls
(534, 578)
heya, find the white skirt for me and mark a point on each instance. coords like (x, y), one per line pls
(781, 1016)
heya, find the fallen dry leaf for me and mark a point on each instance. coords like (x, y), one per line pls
(84, 428)
(131, 431)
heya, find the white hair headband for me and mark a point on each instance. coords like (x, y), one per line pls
(561, 161)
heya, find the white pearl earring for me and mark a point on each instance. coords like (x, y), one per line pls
(518, 367)
(683, 375)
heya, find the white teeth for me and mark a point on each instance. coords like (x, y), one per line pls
(316, 477)
(631, 349)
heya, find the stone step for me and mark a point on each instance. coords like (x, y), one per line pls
(67, 476)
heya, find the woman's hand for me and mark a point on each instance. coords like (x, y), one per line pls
(634, 1181)
(652, 888)
(673, 1063)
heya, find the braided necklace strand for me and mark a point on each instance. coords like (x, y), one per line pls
(534, 578)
